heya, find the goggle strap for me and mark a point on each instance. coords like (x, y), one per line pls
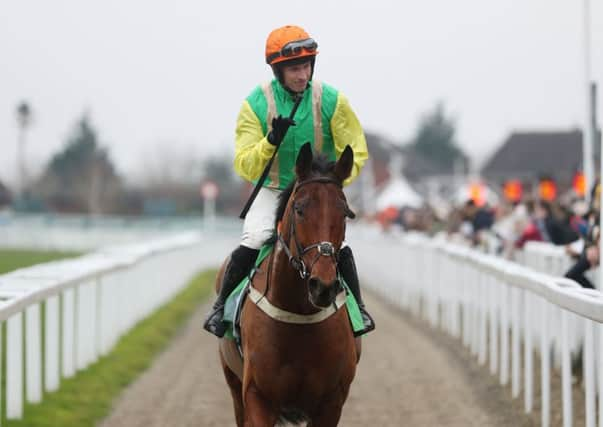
(309, 45)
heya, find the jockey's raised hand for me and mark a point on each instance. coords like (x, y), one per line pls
(280, 125)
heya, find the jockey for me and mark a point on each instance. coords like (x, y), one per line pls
(324, 117)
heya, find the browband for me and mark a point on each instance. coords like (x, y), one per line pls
(320, 179)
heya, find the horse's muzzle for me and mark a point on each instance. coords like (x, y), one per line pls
(322, 295)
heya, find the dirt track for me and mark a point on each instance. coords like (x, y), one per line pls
(409, 375)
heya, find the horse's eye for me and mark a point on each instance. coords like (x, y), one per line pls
(299, 209)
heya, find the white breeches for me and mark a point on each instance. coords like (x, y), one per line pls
(259, 222)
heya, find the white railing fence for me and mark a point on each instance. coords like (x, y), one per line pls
(503, 312)
(495, 307)
(84, 305)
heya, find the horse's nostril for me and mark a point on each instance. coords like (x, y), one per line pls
(316, 287)
(321, 294)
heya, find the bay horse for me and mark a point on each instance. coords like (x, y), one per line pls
(299, 351)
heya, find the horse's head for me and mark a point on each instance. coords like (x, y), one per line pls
(313, 222)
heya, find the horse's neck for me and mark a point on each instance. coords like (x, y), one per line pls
(287, 290)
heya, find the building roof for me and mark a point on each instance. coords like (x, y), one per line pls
(380, 147)
(530, 155)
(417, 167)
(381, 150)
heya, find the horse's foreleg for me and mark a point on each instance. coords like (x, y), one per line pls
(328, 418)
(258, 411)
(329, 412)
(236, 391)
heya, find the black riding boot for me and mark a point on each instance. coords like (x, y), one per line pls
(239, 265)
(347, 266)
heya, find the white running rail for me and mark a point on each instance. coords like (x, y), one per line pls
(494, 306)
(87, 304)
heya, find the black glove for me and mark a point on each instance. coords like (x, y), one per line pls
(280, 125)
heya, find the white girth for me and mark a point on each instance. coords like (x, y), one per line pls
(288, 317)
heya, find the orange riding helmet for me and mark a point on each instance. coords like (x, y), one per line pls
(287, 43)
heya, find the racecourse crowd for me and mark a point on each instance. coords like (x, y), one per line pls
(506, 227)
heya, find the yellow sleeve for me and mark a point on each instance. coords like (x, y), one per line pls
(346, 130)
(252, 149)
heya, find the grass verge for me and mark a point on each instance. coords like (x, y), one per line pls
(86, 398)
(12, 259)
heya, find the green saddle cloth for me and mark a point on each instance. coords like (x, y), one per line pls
(234, 301)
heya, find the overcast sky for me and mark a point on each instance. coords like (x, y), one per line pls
(169, 76)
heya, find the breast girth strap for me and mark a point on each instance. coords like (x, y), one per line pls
(285, 316)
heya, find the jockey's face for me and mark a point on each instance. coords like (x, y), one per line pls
(296, 77)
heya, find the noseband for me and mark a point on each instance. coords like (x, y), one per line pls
(323, 248)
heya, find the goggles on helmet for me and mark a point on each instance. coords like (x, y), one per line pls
(294, 48)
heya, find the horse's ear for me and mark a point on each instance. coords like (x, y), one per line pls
(343, 167)
(303, 165)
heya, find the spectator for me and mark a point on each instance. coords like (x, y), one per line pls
(509, 226)
(545, 227)
(475, 220)
(530, 231)
(589, 256)
(557, 224)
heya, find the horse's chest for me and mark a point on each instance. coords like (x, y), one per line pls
(298, 379)
(301, 361)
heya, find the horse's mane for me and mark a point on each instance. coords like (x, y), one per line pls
(321, 166)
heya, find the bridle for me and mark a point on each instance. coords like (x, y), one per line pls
(323, 248)
(297, 262)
